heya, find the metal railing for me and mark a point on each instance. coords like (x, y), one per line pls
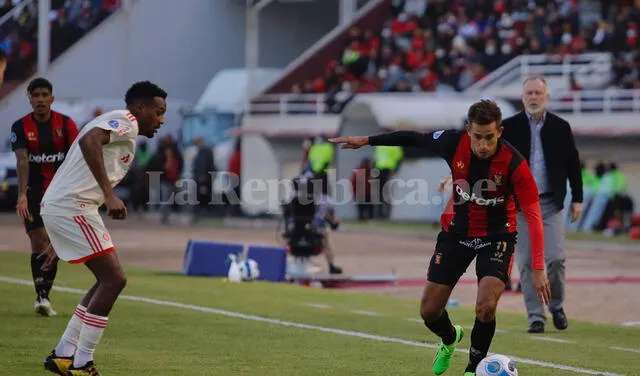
(608, 101)
(588, 65)
(288, 104)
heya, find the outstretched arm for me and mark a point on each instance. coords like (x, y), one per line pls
(91, 145)
(439, 143)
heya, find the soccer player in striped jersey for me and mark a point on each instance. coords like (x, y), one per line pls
(490, 178)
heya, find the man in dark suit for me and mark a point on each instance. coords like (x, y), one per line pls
(546, 142)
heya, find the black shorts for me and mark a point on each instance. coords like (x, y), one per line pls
(454, 254)
(34, 220)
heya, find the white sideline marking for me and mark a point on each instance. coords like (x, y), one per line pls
(551, 339)
(367, 313)
(631, 323)
(415, 320)
(341, 332)
(625, 349)
(318, 305)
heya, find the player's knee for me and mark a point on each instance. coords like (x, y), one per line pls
(429, 312)
(486, 310)
(116, 282)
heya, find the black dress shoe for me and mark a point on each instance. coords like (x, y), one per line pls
(536, 327)
(560, 319)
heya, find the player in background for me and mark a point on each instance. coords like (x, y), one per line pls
(41, 140)
(3, 65)
(488, 177)
(97, 162)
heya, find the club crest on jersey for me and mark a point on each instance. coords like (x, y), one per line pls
(460, 165)
(438, 258)
(497, 178)
(58, 132)
(126, 158)
(113, 124)
(31, 136)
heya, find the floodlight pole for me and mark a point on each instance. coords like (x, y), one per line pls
(252, 44)
(44, 36)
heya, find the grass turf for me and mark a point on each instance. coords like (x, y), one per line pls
(148, 339)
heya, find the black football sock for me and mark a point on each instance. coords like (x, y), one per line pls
(481, 337)
(42, 280)
(443, 328)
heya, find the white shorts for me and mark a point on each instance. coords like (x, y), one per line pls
(78, 239)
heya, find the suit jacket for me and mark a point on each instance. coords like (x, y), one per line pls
(561, 156)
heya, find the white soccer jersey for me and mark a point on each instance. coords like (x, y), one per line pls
(74, 190)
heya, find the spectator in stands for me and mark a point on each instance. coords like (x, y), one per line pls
(451, 44)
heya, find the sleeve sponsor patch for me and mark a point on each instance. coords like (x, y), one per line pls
(113, 124)
(437, 134)
(14, 137)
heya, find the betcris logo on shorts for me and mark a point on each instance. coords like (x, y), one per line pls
(478, 200)
(46, 158)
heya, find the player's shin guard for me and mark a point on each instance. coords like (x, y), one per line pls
(481, 337)
(92, 328)
(443, 328)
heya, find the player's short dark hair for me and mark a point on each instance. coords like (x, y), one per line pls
(484, 112)
(143, 90)
(39, 83)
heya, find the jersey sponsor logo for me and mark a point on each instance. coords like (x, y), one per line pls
(479, 200)
(475, 243)
(113, 124)
(14, 137)
(46, 158)
(437, 134)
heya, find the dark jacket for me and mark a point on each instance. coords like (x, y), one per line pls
(560, 153)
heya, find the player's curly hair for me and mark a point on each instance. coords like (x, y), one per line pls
(143, 90)
(484, 112)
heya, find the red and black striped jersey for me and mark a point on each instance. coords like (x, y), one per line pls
(47, 145)
(484, 190)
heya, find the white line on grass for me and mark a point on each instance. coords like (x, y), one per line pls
(551, 339)
(318, 305)
(625, 349)
(366, 313)
(631, 323)
(348, 333)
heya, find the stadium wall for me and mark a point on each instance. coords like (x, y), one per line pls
(178, 44)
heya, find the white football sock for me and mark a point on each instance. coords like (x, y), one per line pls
(92, 328)
(69, 340)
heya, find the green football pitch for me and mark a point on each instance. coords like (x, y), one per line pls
(168, 324)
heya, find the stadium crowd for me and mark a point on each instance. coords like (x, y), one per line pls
(69, 20)
(449, 45)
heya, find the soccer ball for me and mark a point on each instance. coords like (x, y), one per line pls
(496, 365)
